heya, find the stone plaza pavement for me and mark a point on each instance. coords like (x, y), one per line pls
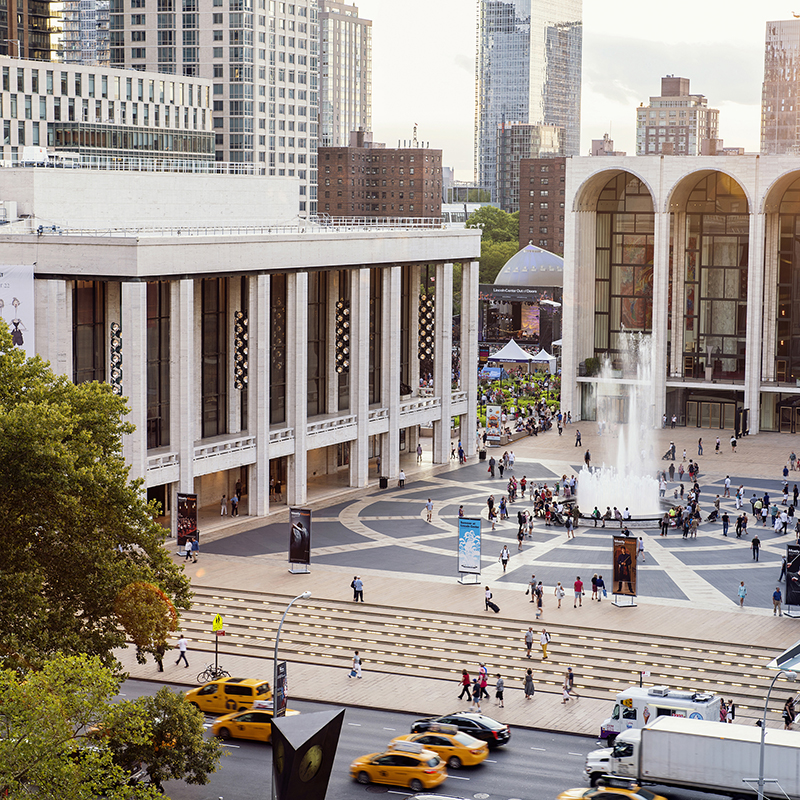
(687, 591)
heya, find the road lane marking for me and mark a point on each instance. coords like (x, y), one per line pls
(576, 754)
(390, 729)
(543, 749)
(355, 724)
(458, 778)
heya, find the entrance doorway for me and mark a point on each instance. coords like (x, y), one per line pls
(710, 414)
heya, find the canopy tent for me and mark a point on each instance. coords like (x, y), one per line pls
(512, 352)
(543, 357)
(558, 343)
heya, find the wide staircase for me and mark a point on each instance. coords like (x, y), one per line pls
(437, 645)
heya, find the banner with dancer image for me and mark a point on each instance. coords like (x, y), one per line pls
(299, 536)
(793, 574)
(469, 546)
(624, 581)
(17, 304)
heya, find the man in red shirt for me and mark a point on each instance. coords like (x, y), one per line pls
(578, 592)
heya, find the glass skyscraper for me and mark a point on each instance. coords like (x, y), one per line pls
(528, 70)
(780, 116)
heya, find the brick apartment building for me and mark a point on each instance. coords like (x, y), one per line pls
(370, 180)
(541, 203)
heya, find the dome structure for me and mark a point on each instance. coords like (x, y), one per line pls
(532, 266)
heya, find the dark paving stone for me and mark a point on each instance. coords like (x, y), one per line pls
(570, 555)
(394, 559)
(760, 583)
(271, 539)
(333, 511)
(736, 555)
(438, 493)
(674, 539)
(382, 508)
(402, 528)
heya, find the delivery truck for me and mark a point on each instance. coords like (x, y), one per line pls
(702, 756)
(637, 705)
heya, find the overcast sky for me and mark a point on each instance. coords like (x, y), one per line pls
(424, 67)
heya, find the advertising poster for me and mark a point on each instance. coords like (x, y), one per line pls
(793, 574)
(279, 702)
(493, 424)
(187, 518)
(299, 536)
(624, 581)
(469, 545)
(17, 304)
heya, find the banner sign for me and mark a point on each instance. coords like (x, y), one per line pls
(17, 305)
(279, 698)
(299, 536)
(469, 545)
(493, 424)
(624, 581)
(187, 518)
(793, 574)
(512, 294)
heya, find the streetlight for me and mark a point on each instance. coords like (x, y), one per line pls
(303, 596)
(16, 41)
(792, 676)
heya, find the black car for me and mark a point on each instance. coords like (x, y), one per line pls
(486, 729)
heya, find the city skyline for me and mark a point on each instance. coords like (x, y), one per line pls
(626, 51)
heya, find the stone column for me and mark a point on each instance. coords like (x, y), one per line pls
(772, 225)
(390, 370)
(184, 382)
(443, 360)
(234, 395)
(332, 397)
(755, 316)
(678, 293)
(297, 385)
(660, 305)
(412, 434)
(359, 374)
(53, 330)
(469, 352)
(134, 373)
(258, 393)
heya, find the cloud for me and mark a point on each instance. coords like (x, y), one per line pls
(465, 63)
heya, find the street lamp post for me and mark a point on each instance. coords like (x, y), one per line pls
(792, 676)
(303, 596)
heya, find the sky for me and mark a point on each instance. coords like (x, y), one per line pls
(423, 67)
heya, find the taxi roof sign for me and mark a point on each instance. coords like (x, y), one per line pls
(216, 625)
(408, 747)
(439, 727)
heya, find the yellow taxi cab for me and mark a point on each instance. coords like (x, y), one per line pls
(254, 723)
(456, 749)
(611, 789)
(405, 764)
(225, 695)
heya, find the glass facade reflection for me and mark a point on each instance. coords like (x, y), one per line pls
(780, 126)
(528, 70)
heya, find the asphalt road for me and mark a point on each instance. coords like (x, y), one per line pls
(533, 766)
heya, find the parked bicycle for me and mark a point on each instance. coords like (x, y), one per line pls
(212, 673)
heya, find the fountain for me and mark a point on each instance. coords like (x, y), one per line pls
(630, 482)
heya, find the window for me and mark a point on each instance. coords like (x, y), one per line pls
(88, 331)
(158, 363)
(138, 36)
(137, 19)
(214, 343)
(138, 52)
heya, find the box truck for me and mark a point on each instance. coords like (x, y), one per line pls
(703, 756)
(637, 706)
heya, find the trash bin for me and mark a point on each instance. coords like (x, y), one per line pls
(482, 455)
(384, 483)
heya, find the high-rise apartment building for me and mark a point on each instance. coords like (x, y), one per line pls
(84, 32)
(262, 57)
(29, 29)
(528, 70)
(780, 115)
(604, 147)
(676, 122)
(345, 81)
(515, 142)
(541, 203)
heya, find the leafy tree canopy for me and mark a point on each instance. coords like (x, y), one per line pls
(77, 530)
(498, 226)
(61, 736)
(493, 258)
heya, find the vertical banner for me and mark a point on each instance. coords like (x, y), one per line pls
(469, 546)
(299, 536)
(793, 575)
(279, 697)
(624, 581)
(187, 518)
(493, 424)
(17, 304)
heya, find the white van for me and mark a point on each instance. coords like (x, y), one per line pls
(34, 157)
(638, 705)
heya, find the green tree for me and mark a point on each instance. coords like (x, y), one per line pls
(499, 239)
(494, 255)
(76, 530)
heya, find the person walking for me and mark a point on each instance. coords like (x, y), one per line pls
(559, 593)
(577, 438)
(700, 446)
(187, 549)
(161, 649)
(733, 444)
(528, 642)
(499, 689)
(539, 599)
(529, 687)
(223, 507)
(788, 714)
(401, 479)
(717, 445)
(419, 453)
(569, 682)
(504, 556)
(742, 592)
(726, 521)
(587, 457)
(544, 640)
(487, 596)
(531, 590)
(183, 646)
(601, 588)
(234, 506)
(483, 680)
(355, 672)
(429, 509)
(594, 587)
(476, 696)
(784, 564)
(578, 589)
(777, 599)
(755, 544)
(466, 683)
(358, 589)
(641, 549)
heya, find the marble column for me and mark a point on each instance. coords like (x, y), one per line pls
(678, 293)
(772, 226)
(258, 393)
(390, 370)
(443, 360)
(359, 375)
(755, 316)
(53, 332)
(469, 353)
(297, 385)
(660, 307)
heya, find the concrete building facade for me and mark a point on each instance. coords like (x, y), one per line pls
(299, 416)
(345, 76)
(104, 114)
(675, 122)
(541, 206)
(700, 254)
